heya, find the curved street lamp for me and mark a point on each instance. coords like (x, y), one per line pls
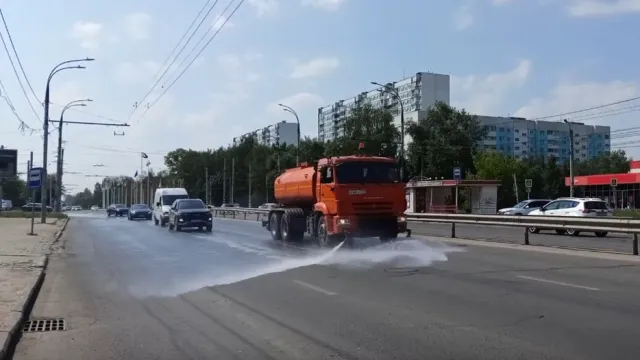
(291, 111)
(56, 69)
(71, 104)
(389, 89)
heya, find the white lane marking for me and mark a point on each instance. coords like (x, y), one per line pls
(558, 283)
(315, 288)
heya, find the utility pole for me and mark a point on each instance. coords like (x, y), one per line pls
(224, 181)
(206, 185)
(149, 184)
(571, 177)
(250, 185)
(233, 172)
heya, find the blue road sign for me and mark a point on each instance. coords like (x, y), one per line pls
(35, 178)
(457, 173)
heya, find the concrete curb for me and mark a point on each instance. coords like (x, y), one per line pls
(21, 314)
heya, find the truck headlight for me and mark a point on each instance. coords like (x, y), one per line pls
(210, 219)
(402, 219)
(344, 222)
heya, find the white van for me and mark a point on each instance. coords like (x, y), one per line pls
(162, 202)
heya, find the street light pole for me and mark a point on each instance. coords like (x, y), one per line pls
(571, 177)
(290, 110)
(394, 92)
(43, 187)
(71, 104)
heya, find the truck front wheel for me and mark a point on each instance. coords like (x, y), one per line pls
(274, 226)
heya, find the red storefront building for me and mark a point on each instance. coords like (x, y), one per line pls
(621, 191)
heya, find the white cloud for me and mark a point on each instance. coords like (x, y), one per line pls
(331, 5)
(484, 95)
(463, 18)
(138, 26)
(298, 102)
(580, 8)
(567, 97)
(68, 91)
(315, 67)
(501, 2)
(264, 7)
(219, 21)
(131, 73)
(89, 33)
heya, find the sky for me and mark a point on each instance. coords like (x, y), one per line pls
(530, 58)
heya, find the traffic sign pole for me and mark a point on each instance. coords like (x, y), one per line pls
(614, 184)
(457, 175)
(33, 194)
(528, 184)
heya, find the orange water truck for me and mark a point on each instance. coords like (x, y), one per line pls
(339, 198)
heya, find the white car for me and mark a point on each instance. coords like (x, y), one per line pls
(95, 207)
(524, 207)
(582, 207)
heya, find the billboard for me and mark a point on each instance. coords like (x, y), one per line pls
(8, 163)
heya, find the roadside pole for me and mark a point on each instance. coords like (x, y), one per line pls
(528, 183)
(33, 193)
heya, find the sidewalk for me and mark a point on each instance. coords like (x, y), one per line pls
(22, 261)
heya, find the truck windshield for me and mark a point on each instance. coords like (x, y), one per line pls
(169, 199)
(366, 172)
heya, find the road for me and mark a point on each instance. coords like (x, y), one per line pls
(131, 290)
(615, 242)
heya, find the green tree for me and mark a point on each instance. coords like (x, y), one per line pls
(613, 162)
(372, 126)
(14, 190)
(492, 165)
(445, 139)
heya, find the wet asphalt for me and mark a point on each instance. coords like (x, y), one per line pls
(132, 290)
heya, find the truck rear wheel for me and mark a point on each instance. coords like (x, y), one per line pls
(274, 226)
(291, 231)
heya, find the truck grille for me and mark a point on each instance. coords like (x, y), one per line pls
(372, 207)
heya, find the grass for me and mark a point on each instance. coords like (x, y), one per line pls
(627, 213)
(27, 214)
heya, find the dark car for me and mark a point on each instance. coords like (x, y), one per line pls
(117, 210)
(190, 213)
(139, 211)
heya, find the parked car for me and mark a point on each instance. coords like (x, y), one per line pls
(117, 210)
(524, 207)
(267, 206)
(6, 205)
(35, 207)
(95, 208)
(582, 207)
(190, 213)
(139, 211)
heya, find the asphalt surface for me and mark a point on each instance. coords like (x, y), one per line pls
(131, 290)
(613, 242)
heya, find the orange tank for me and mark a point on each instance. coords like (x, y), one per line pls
(296, 187)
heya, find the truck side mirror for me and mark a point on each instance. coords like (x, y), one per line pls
(158, 203)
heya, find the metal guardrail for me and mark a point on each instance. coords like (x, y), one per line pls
(627, 226)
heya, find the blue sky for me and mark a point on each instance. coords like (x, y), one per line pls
(506, 57)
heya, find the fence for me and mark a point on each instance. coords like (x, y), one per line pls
(627, 226)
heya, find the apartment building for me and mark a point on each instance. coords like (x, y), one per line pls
(524, 138)
(417, 93)
(276, 134)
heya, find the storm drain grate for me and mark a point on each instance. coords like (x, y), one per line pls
(44, 325)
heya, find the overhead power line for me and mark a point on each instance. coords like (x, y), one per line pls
(166, 66)
(588, 109)
(167, 88)
(13, 46)
(15, 71)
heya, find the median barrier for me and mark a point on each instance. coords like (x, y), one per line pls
(592, 224)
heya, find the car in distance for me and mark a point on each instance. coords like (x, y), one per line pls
(192, 213)
(139, 211)
(95, 208)
(117, 210)
(524, 207)
(162, 202)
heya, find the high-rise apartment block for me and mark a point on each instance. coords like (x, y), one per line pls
(417, 93)
(276, 134)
